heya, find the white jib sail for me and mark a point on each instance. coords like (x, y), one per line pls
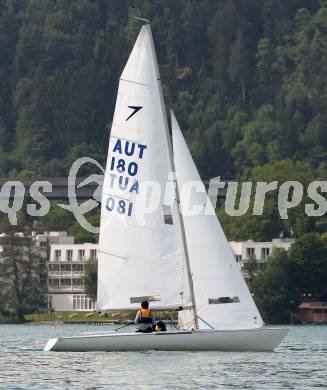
(140, 255)
(222, 297)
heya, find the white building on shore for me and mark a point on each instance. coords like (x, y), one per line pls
(66, 263)
(48, 238)
(260, 251)
(65, 276)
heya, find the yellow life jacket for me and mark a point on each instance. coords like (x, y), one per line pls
(146, 316)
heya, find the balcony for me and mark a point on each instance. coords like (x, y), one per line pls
(66, 289)
(79, 273)
(53, 273)
(65, 273)
(78, 288)
(53, 288)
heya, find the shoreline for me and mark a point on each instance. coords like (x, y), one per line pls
(64, 322)
(80, 318)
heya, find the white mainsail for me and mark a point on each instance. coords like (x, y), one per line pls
(222, 297)
(139, 258)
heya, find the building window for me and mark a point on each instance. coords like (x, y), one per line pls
(65, 282)
(43, 244)
(78, 268)
(65, 267)
(57, 255)
(81, 255)
(54, 283)
(76, 302)
(77, 282)
(238, 258)
(54, 267)
(250, 253)
(265, 253)
(69, 255)
(81, 302)
(93, 254)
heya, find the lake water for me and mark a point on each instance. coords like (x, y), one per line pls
(300, 362)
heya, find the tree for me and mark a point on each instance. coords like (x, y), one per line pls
(309, 264)
(251, 267)
(91, 278)
(22, 276)
(247, 80)
(270, 225)
(292, 277)
(237, 65)
(81, 235)
(271, 288)
(58, 219)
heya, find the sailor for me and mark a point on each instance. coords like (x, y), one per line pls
(144, 318)
(160, 326)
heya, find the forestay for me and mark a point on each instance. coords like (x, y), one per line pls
(139, 258)
(222, 297)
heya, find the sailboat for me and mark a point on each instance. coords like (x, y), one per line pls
(169, 257)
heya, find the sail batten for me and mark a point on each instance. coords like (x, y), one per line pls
(135, 82)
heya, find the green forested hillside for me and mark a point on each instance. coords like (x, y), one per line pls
(247, 79)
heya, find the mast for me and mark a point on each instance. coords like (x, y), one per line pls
(169, 143)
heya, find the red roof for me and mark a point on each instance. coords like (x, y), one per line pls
(313, 305)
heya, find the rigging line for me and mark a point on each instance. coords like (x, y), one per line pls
(207, 323)
(124, 326)
(122, 138)
(119, 196)
(189, 322)
(111, 254)
(157, 261)
(136, 82)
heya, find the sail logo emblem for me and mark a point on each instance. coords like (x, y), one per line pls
(135, 110)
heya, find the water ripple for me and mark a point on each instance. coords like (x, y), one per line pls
(298, 363)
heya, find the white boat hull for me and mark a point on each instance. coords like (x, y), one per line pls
(262, 339)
